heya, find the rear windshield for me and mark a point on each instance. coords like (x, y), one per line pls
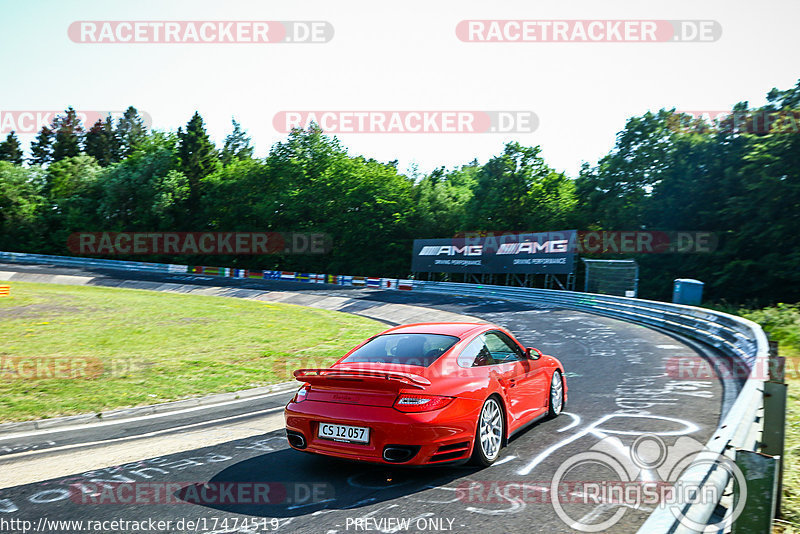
(405, 349)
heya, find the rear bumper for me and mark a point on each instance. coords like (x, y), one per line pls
(441, 436)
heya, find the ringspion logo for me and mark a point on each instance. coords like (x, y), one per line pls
(613, 477)
(588, 31)
(199, 31)
(420, 121)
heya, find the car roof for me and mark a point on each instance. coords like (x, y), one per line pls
(448, 329)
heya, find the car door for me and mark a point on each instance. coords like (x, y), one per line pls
(529, 379)
(508, 360)
(498, 366)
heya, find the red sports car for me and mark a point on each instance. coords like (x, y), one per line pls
(425, 394)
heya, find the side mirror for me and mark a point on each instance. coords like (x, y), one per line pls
(533, 354)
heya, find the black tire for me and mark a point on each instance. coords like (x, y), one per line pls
(493, 424)
(553, 410)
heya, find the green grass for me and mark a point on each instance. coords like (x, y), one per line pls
(144, 347)
(790, 507)
(783, 324)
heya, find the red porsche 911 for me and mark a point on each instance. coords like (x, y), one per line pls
(425, 394)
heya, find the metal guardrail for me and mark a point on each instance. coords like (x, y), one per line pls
(19, 257)
(732, 335)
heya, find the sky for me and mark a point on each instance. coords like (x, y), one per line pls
(404, 56)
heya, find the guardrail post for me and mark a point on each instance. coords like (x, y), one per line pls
(777, 364)
(761, 475)
(773, 435)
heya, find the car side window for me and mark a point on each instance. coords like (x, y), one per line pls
(502, 348)
(514, 346)
(476, 354)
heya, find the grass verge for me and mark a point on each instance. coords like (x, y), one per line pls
(77, 349)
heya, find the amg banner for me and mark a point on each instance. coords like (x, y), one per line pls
(528, 253)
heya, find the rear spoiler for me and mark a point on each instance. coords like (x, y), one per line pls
(374, 377)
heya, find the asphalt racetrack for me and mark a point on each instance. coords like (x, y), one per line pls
(618, 391)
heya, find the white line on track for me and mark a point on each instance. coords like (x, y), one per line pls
(87, 426)
(504, 460)
(139, 436)
(576, 420)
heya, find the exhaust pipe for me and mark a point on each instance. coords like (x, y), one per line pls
(399, 453)
(296, 439)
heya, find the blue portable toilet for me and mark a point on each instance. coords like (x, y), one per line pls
(687, 291)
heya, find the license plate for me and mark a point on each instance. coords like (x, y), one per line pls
(354, 434)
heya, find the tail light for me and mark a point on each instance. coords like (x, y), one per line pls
(409, 402)
(300, 396)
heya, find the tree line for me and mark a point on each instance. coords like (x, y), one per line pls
(668, 171)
